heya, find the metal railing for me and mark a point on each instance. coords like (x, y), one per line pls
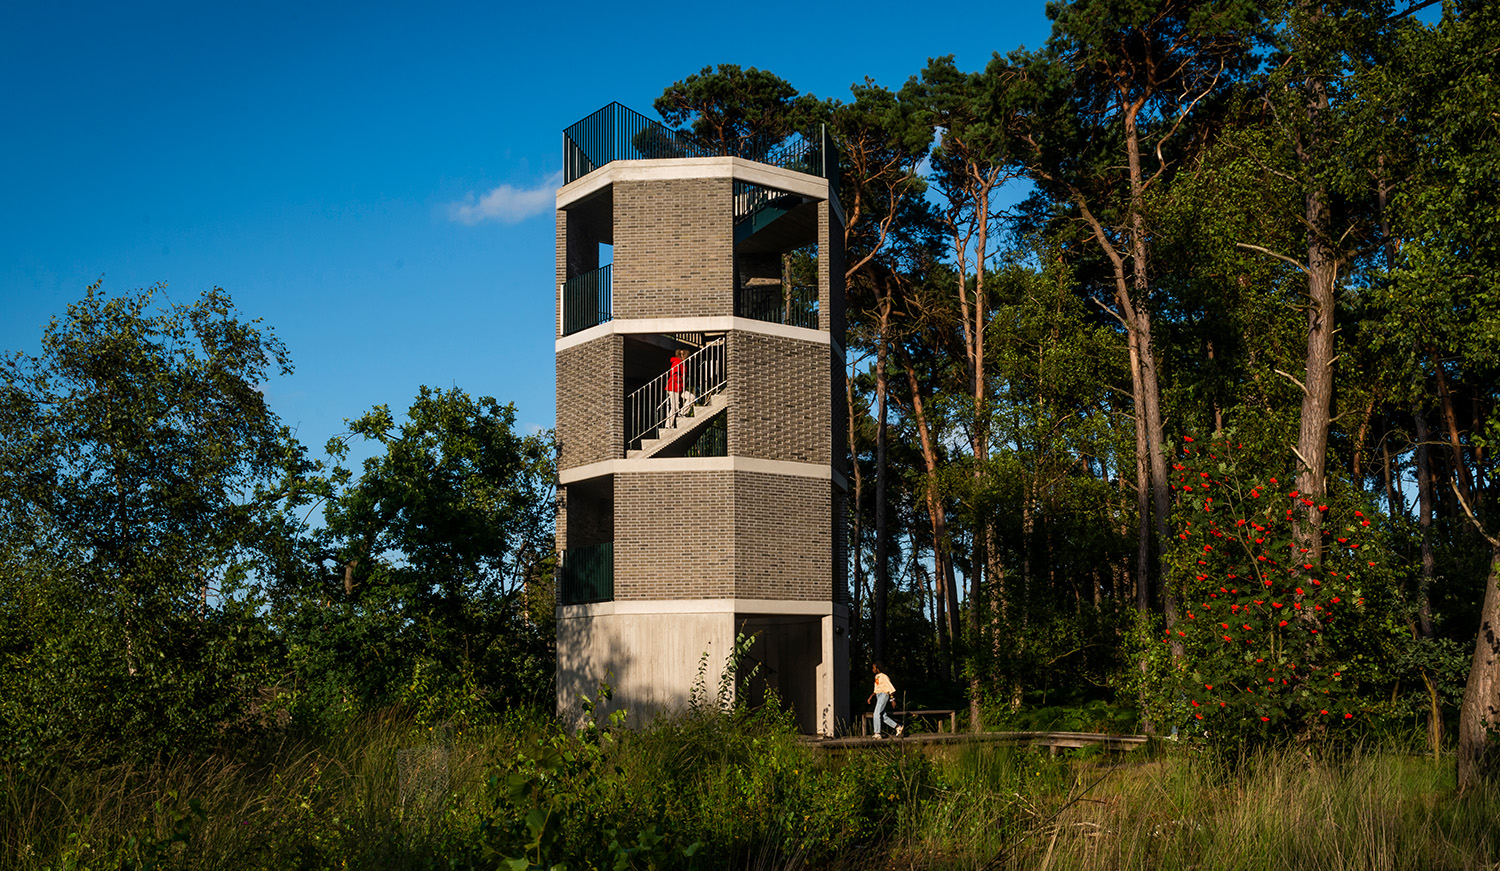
(616, 132)
(650, 408)
(794, 306)
(750, 198)
(712, 440)
(586, 300)
(586, 574)
(813, 155)
(619, 133)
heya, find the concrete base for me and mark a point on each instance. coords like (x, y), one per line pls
(652, 654)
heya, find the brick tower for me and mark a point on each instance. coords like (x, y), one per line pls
(701, 438)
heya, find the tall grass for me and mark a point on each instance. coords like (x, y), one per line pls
(386, 793)
(1371, 809)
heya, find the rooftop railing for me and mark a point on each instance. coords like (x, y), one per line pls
(619, 133)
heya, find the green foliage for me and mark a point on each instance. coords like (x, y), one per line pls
(433, 578)
(144, 480)
(743, 112)
(1279, 617)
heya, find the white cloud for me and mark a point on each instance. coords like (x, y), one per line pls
(507, 203)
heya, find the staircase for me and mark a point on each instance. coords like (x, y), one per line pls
(703, 375)
(688, 421)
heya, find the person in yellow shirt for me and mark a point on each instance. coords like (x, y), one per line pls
(881, 696)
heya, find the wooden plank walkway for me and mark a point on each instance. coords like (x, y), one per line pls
(1053, 741)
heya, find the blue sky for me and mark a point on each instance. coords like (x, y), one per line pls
(374, 181)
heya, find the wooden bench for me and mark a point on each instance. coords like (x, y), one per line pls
(952, 715)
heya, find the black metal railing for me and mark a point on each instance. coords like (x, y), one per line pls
(586, 300)
(813, 155)
(711, 441)
(617, 132)
(794, 306)
(586, 574)
(751, 198)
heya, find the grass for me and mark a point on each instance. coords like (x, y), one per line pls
(386, 793)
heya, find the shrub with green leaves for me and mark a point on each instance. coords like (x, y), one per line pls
(1269, 622)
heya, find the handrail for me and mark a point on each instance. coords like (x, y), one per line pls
(703, 373)
(587, 300)
(617, 132)
(749, 198)
(620, 133)
(586, 574)
(794, 306)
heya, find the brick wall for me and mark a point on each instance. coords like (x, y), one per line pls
(697, 535)
(782, 546)
(782, 401)
(674, 535)
(673, 248)
(590, 518)
(591, 402)
(840, 567)
(831, 275)
(838, 442)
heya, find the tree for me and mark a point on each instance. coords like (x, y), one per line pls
(740, 112)
(1441, 304)
(144, 478)
(434, 563)
(1107, 111)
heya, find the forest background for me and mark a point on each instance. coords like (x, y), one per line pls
(1202, 430)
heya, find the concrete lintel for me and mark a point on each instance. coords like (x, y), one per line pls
(649, 465)
(696, 167)
(716, 324)
(809, 608)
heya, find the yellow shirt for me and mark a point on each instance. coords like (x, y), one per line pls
(883, 684)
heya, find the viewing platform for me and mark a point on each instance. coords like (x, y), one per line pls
(617, 132)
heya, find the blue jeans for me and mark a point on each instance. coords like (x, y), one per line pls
(883, 701)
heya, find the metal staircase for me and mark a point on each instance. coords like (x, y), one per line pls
(692, 418)
(652, 418)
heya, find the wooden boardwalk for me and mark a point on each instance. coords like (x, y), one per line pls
(1053, 741)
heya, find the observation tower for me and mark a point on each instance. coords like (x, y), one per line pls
(700, 420)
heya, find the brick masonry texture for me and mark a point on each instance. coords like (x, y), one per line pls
(782, 398)
(591, 521)
(782, 545)
(673, 248)
(674, 535)
(697, 535)
(838, 445)
(831, 273)
(840, 565)
(590, 402)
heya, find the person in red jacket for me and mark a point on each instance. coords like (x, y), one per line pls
(674, 390)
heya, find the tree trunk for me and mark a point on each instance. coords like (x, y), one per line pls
(1450, 425)
(856, 540)
(1323, 264)
(1479, 717)
(882, 568)
(937, 512)
(1424, 521)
